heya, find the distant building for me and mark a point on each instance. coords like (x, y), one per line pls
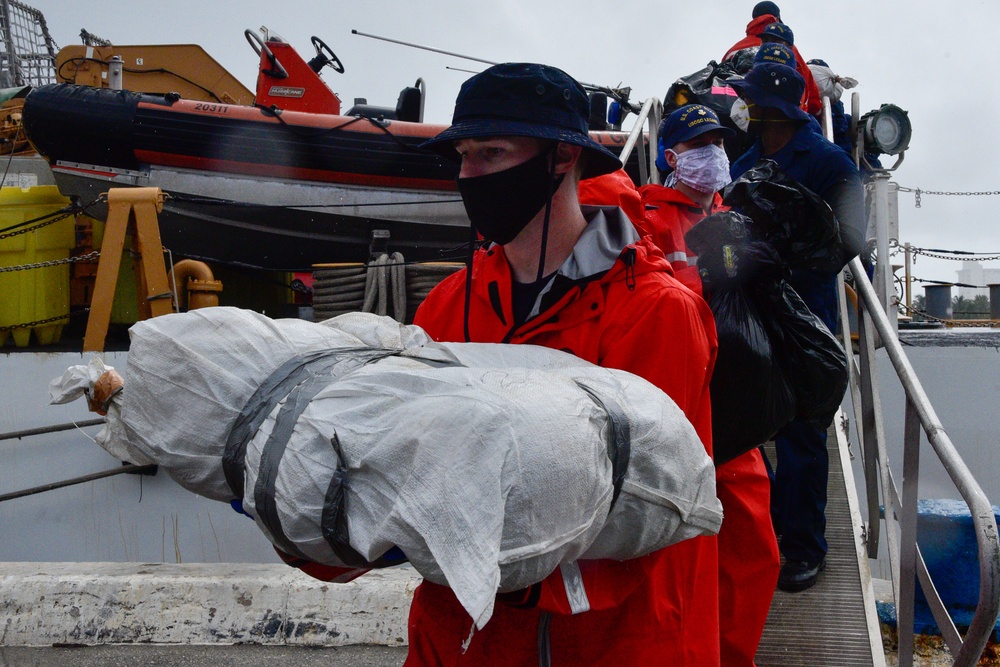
(973, 273)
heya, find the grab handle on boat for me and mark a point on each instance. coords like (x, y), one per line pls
(258, 45)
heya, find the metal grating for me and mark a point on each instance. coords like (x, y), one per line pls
(27, 52)
(826, 624)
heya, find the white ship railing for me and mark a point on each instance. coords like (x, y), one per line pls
(876, 324)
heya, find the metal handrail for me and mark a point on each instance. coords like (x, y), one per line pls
(652, 111)
(908, 566)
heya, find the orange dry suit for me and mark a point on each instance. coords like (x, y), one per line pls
(811, 102)
(748, 550)
(613, 303)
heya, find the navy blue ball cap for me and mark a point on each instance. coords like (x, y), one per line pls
(775, 52)
(773, 85)
(690, 121)
(524, 100)
(779, 31)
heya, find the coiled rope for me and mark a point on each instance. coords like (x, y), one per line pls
(385, 286)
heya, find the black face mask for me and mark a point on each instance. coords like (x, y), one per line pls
(501, 204)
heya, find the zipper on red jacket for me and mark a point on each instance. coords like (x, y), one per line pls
(494, 291)
(629, 258)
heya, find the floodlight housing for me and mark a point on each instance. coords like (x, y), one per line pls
(886, 130)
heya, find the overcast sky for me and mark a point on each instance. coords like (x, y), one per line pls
(917, 54)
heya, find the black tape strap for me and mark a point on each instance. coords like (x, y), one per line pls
(619, 440)
(267, 395)
(334, 520)
(314, 378)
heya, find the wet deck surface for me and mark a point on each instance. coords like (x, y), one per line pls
(826, 624)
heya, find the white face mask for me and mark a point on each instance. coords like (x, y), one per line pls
(740, 113)
(706, 169)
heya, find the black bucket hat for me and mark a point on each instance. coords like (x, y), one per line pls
(773, 85)
(524, 100)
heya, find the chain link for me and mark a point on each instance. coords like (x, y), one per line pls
(52, 262)
(45, 223)
(934, 255)
(960, 194)
(46, 321)
(954, 322)
(917, 192)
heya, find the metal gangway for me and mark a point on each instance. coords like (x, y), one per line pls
(835, 622)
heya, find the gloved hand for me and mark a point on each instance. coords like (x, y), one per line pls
(524, 598)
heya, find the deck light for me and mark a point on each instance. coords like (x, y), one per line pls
(886, 130)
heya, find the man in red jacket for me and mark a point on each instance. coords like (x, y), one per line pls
(765, 14)
(748, 550)
(579, 280)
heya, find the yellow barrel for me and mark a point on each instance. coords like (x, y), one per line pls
(31, 295)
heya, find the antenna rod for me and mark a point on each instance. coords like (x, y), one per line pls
(589, 86)
(459, 69)
(425, 48)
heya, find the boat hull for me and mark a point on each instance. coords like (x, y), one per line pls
(275, 189)
(280, 224)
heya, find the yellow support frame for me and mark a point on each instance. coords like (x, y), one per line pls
(135, 209)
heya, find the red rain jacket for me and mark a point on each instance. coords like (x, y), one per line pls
(670, 214)
(658, 609)
(614, 189)
(748, 550)
(811, 101)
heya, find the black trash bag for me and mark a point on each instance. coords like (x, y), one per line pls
(789, 216)
(777, 361)
(728, 255)
(751, 395)
(743, 60)
(708, 86)
(818, 369)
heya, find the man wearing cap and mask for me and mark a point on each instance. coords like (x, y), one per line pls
(692, 148)
(784, 135)
(577, 279)
(770, 52)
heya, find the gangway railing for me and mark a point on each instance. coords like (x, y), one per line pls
(906, 563)
(877, 329)
(649, 115)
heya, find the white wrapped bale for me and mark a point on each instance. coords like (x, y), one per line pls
(488, 465)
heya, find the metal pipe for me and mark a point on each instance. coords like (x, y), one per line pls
(49, 429)
(883, 267)
(983, 519)
(636, 132)
(128, 468)
(827, 119)
(908, 534)
(872, 433)
(909, 277)
(115, 73)
(195, 285)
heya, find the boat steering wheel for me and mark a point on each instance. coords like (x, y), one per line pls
(328, 55)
